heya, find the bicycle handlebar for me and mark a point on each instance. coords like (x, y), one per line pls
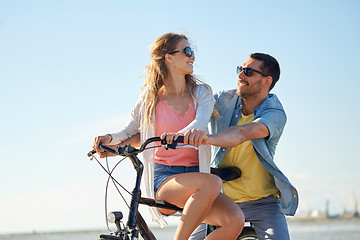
(173, 145)
(128, 149)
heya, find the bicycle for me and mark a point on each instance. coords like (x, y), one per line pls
(136, 223)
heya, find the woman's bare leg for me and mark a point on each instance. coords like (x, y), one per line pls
(228, 216)
(195, 193)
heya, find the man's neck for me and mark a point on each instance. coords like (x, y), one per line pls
(250, 104)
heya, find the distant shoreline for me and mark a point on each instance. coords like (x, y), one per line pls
(71, 232)
(321, 219)
(291, 220)
(56, 232)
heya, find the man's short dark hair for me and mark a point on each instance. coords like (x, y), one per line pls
(269, 66)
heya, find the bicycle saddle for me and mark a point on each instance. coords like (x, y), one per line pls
(227, 173)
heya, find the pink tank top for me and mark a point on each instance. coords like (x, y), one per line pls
(170, 121)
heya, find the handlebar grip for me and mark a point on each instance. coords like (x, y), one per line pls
(180, 139)
(107, 149)
(173, 145)
(103, 147)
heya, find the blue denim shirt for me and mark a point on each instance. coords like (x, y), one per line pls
(271, 113)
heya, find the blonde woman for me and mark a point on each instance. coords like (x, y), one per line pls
(172, 102)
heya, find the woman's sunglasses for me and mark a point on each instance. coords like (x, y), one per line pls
(248, 71)
(187, 50)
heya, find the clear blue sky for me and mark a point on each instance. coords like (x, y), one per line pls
(72, 70)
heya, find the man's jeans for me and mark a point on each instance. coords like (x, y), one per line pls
(265, 215)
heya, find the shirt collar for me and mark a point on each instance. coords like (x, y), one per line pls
(239, 102)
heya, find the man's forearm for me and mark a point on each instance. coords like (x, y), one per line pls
(236, 135)
(229, 137)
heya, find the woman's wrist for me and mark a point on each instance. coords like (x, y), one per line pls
(111, 138)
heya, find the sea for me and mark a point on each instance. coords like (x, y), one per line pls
(324, 229)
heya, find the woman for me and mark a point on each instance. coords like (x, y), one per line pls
(174, 102)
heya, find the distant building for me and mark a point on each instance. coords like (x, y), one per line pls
(351, 214)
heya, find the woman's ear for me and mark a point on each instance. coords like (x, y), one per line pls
(168, 58)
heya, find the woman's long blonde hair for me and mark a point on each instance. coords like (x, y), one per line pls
(156, 72)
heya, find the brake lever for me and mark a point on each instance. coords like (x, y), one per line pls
(91, 154)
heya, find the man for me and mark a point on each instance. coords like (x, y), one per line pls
(245, 134)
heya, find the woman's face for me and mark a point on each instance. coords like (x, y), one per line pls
(180, 61)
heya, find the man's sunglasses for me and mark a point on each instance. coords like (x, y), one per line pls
(248, 71)
(187, 50)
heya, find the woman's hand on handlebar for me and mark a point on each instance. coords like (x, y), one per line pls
(196, 137)
(170, 137)
(104, 140)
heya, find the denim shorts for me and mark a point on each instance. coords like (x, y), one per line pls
(162, 172)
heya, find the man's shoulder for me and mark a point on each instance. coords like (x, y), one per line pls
(272, 109)
(271, 101)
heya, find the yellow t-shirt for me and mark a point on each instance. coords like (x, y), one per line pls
(255, 181)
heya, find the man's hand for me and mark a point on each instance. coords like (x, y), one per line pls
(195, 137)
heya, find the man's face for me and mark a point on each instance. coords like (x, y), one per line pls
(250, 86)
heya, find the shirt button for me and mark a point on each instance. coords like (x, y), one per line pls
(236, 115)
(223, 149)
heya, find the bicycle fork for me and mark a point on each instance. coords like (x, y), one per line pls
(136, 193)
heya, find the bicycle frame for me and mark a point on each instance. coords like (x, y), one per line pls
(134, 216)
(135, 220)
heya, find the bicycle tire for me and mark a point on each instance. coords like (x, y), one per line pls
(248, 233)
(143, 228)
